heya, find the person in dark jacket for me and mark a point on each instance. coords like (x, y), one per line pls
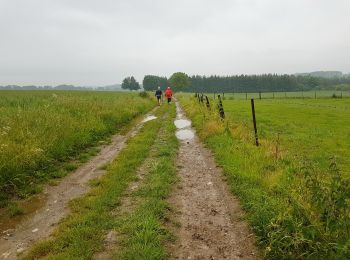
(159, 95)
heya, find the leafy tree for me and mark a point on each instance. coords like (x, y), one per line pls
(151, 82)
(130, 83)
(180, 81)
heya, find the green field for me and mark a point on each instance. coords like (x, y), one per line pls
(41, 132)
(295, 187)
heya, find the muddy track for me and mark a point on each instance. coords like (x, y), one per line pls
(208, 214)
(42, 222)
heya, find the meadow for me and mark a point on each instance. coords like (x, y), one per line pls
(42, 133)
(295, 187)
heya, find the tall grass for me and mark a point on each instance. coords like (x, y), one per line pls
(297, 196)
(39, 130)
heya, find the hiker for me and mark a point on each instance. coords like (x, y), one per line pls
(169, 94)
(159, 95)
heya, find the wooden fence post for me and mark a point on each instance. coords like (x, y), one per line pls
(221, 108)
(254, 123)
(207, 102)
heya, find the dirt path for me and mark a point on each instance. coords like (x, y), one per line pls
(210, 217)
(40, 224)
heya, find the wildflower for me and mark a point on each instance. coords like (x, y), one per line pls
(37, 150)
(5, 130)
(3, 147)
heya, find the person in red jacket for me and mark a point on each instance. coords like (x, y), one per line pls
(169, 94)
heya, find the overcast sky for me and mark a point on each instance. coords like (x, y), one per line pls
(99, 42)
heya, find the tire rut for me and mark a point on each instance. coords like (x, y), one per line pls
(209, 216)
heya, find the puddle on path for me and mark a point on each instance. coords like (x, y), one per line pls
(149, 118)
(182, 123)
(185, 134)
(28, 206)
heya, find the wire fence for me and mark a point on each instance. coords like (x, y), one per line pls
(281, 95)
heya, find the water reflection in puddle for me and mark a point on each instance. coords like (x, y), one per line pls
(182, 123)
(149, 118)
(184, 134)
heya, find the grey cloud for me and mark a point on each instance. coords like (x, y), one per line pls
(91, 42)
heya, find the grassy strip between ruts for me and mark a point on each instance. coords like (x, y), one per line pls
(143, 232)
(296, 210)
(81, 234)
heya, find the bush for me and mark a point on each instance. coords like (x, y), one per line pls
(144, 94)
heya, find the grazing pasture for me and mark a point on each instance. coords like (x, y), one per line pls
(41, 132)
(295, 186)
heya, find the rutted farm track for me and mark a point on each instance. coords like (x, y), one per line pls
(157, 217)
(42, 222)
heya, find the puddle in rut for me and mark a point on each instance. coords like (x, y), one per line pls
(149, 118)
(185, 134)
(182, 123)
(28, 207)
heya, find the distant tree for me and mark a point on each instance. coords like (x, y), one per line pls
(151, 82)
(180, 81)
(130, 83)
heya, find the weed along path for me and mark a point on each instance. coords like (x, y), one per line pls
(208, 214)
(42, 222)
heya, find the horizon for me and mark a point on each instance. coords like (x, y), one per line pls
(140, 81)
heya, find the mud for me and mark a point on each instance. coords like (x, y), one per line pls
(54, 206)
(210, 218)
(29, 206)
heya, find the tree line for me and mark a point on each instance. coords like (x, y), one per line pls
(243, 83)
(180, 81)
